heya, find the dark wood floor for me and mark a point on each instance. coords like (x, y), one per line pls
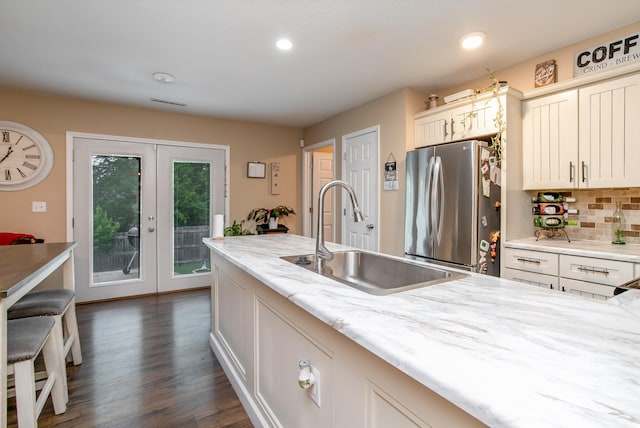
(147, 363)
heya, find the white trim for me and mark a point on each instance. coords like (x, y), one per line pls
(245, 397)
(71, 136)
(344, 201)
(307, 197)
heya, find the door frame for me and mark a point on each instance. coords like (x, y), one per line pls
(345, 202)
(307, 197)
(71, 135)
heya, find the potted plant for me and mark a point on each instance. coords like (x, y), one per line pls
(236, 230)
(270, 216)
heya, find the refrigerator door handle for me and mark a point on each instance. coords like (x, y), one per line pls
(438, 196)
(430, 193)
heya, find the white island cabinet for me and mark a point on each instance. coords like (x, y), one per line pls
(261, 337)
(475, 351)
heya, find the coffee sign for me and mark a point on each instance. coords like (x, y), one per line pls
(615, 53)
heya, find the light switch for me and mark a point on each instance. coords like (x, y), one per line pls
(38, 207)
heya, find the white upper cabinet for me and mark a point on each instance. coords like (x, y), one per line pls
(550, 141)
(465, 121)
(587, 137)
(610, 133)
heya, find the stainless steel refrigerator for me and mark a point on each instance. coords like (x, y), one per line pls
(453, 206)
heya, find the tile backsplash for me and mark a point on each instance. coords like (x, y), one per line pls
(595, 208)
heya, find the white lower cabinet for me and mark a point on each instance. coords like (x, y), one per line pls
(585, 276)
(260, 337)
(537, 279)
(593, 277)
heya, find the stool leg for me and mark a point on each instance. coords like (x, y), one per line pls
(25, 385)
(71, 324)
(53, 353)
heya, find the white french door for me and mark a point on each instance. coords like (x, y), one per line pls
(140, 210)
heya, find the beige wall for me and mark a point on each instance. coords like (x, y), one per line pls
(520, 76)
(54, 116)
(394, 113)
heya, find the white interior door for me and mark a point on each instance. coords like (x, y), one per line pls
(140, 211)
(360, 169)
(322, 174)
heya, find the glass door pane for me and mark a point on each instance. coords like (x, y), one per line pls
(116, 217)
(190, 192)
(191, 217)
(114, 212)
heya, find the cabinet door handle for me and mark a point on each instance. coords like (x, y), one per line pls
(584, 172)
(444, 129)
(571, 169)
(591, 269)
(526, 260)
(453, 129)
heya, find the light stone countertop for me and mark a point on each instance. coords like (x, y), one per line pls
(510, 354)
(597, 249)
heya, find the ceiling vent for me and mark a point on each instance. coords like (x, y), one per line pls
(168, 102)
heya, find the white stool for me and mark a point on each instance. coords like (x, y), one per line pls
(61, 305)
(26, 337)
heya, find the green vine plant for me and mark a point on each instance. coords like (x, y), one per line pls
(497, 141)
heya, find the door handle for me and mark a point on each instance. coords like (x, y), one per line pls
(151, 229)
(370, 226)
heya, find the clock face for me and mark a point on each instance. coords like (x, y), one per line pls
(26, 157)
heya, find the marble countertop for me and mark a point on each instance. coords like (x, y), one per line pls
(597, 249)
(510, 354)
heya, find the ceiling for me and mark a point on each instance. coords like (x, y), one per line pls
(223, 55)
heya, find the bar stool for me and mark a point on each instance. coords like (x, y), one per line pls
(26, 337)
(61, 305)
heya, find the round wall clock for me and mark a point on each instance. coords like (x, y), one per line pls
(26, 158)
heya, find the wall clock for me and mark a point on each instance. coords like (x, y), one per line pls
(26, 158)
(545, 73)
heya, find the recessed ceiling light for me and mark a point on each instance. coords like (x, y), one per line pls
(284, 44)
(472, 40)
(163, 77)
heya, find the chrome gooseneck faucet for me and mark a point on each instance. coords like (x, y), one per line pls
(322, 252)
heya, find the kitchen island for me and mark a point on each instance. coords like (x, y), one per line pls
(503, 353)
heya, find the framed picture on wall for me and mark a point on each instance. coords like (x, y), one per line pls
(256, 169)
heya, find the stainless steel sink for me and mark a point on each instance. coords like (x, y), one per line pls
(375, 273)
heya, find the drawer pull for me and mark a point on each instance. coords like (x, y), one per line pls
(527, 260)
(590, 269)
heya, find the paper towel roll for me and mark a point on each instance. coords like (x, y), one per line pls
(218, 226)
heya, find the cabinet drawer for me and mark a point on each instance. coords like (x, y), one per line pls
(586, 289)
(537, 279)
(599, 271)
(531, 261)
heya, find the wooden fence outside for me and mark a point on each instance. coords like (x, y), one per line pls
(188, 249)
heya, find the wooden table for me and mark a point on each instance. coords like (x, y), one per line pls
(22, 268)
